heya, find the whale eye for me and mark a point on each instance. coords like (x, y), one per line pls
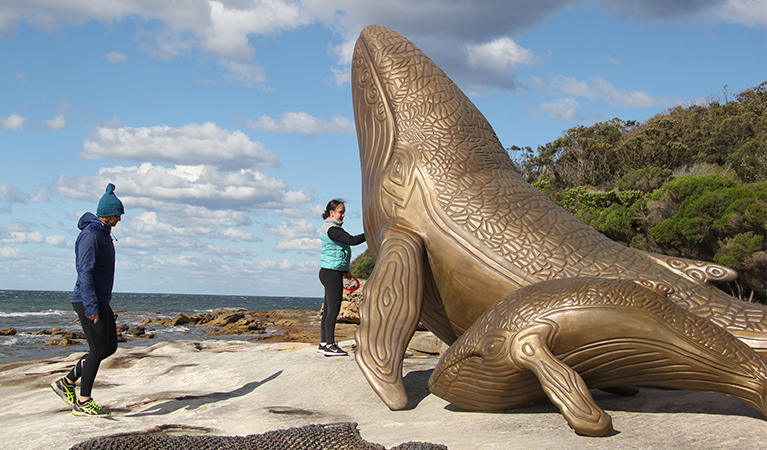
(493, 345)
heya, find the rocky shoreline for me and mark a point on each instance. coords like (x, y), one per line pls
(270, 326)
(280, 325)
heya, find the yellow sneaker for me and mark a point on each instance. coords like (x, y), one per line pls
(89, 408)
(65, 390)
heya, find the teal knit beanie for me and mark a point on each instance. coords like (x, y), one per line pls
(110, 205)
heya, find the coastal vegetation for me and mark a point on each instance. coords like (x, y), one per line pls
(689, 182)
(362, 266)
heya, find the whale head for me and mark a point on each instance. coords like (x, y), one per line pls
(412, 118)
(478, 372)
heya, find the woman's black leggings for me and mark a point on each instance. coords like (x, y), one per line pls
(102, 342)
(333, 280)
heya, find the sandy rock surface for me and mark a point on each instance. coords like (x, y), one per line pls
(240, 388)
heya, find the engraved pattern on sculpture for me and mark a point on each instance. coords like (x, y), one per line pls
(434, 173)
(479, 190)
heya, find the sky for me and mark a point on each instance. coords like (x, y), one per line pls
(226, 126)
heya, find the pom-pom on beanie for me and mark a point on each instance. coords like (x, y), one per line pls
(110, 205)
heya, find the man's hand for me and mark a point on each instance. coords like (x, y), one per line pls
(94, 318)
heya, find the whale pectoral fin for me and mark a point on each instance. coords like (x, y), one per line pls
(564, 386)
(390, 314)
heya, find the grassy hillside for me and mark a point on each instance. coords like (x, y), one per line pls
(690, 182)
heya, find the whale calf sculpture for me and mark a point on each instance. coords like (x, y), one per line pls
(454, 227)
(559, 338)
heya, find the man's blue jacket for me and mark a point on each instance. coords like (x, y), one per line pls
(95, 260)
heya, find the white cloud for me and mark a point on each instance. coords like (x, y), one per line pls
(344, 51)
(147, 235)
(311, 212)
(302, 122)
(57, 123)
(20, 77)
(686, 10)
(232, 234)
(220, 29)
(307, 266)
(614, 61)
(746, 12)
(232, 22)
(204, 193)
(115, 58)
(56, 241)
(227, 251)
(192, 144)
(35, 237)
(12, 122)
(225, 29)
(181, 261)
(342, 75)
(499, 56)
(149, 224)
(11, 253)
(165, 43)
(293, 229)
(274, 265)
(600, 88)
(301, 245)
(10, 195)
(244, 73)
(562, 108)
(295, 236)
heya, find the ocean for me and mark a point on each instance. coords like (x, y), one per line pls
(31, 311)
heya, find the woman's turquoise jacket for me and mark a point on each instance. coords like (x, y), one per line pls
(335, 255)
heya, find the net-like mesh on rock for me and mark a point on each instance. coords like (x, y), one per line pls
(337, 436)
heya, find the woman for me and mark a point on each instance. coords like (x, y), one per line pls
(336, 256)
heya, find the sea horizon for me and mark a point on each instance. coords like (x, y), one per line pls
(29, 311)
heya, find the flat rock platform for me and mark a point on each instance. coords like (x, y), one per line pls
(229, 388)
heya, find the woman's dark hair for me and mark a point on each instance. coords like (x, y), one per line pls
(332, 205)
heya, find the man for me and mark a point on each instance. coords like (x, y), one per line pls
(95, 260)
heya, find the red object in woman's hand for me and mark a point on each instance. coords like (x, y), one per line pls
(351, 283)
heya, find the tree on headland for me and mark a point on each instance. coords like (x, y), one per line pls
(362, 266)
(690, 182)
(729, 135)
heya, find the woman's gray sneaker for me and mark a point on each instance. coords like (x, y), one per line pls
(333, 350)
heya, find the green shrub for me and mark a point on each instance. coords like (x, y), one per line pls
(362, 266)
(712, 208)
(734, 251)
(647, 179)
(611, 213)
(681, 188)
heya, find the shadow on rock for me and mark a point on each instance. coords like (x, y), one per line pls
(192, 402)
(417, 386)
(651, 400)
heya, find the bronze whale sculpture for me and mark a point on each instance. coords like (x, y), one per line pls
(454, 227)
(559, 338)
